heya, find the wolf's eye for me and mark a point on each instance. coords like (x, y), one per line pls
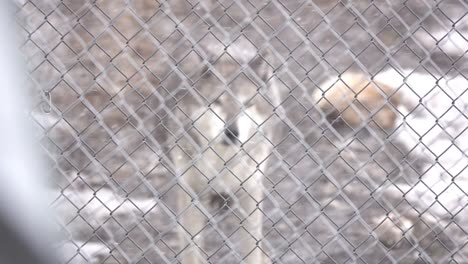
(231, 134)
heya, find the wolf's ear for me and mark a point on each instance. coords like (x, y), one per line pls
(261, 67)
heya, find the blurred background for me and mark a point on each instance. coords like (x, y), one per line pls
(100, 74)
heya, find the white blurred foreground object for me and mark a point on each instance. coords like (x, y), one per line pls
(24, 217)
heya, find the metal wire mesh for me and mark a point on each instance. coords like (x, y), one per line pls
(248, 131)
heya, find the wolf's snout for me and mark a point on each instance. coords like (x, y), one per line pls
(231, 134)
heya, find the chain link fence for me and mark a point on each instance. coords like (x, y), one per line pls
(252, 131)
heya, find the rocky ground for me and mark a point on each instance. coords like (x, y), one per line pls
(334, 195)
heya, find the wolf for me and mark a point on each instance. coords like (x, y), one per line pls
(221, 141)
(358, 100)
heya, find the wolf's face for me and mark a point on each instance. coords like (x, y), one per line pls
(230, 102)
(226, 112)
(235, 110)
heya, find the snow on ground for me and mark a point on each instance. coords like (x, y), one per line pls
(449, 40)
(98, 210)
(438, 131)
